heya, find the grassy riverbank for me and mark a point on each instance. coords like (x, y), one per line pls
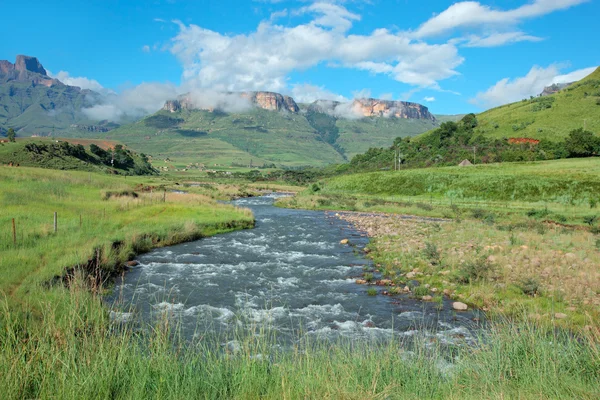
(514, 361)
(516, 239)
(103, 221)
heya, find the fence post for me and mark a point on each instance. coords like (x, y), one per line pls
(14, 232)
(55, 222)
(165, 196)
(80, 221)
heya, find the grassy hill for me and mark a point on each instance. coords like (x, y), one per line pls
(259, 137)
(550, 117)
(65, 154)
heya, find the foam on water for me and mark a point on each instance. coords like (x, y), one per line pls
(290, 273)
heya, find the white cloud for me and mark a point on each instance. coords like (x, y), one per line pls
(500, 39)
(574, 76)
(508, 91)
(469, 14)
(82, 82)
(386, 96)
(137, 101)
(306, 93)
(146, 48)
(262, 60)
(429, 99)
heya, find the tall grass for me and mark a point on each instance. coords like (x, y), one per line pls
(74, 359)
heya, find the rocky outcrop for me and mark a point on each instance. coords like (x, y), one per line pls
(554, 88)
(26, 69)
(388, 108)
(271, 101)
(265, 100)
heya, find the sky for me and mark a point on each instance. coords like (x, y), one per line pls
(453, 57)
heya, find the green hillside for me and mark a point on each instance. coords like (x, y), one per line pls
(549, 117)
(60, 154)
(259, 137)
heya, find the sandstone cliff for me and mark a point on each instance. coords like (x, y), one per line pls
(265, 100)
(387, 108)
(26, 69)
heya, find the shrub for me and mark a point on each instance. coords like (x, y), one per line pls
(478, 213)
(368, 277)
(432, 253)
(530, 287)
(560, 218)
(424, 206)
(475, 270)
(421, 291)
(590, 219)
(535, 213)
(372, 291)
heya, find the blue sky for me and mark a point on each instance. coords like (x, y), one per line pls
(453, 57)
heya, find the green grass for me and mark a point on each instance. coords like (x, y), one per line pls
(513, 361)
(89, 226)
(221, 140)
(54, 157)
(566, 185)
(571, 106)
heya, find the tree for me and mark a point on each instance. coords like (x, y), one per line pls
(469, 121)
(11, 135)
(582, 143)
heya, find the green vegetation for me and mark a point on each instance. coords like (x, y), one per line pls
(60, 154)
(95, 229)
(515, 254)
(258, 137)
(551, 117)
(514, 361)
(454, 142)
(10, 134)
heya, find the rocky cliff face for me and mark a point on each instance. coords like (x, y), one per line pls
(265, 100)
(271, 101)
(26, 69)
(387, 108)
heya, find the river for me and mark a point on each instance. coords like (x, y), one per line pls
(289, 273)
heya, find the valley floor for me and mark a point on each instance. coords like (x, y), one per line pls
(58, 342)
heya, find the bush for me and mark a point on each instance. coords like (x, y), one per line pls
(372, 291)
(432, 253)
(590, 219)
(530, 287)
(476, 270)
(368, 277)
(421, 291)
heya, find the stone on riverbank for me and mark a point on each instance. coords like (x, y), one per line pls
(458, 306)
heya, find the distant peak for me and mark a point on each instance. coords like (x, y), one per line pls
(31, 64)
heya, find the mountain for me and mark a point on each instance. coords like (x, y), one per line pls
(32, 102)
(266, 128)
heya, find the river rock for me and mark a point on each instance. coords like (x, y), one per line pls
(344, 241)
(132, 263)
(458, 306)
(427, 298)
(361, 281)
(410, 275)
(559, 315)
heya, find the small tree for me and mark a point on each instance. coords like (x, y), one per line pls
(11, 135)
(581, 143)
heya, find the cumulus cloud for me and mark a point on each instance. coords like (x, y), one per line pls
(135, 102)
(429, 99)
(82, 82)
(306, 93)
(508, 91)
(263, 59)
(146, 48)
(574, 76)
